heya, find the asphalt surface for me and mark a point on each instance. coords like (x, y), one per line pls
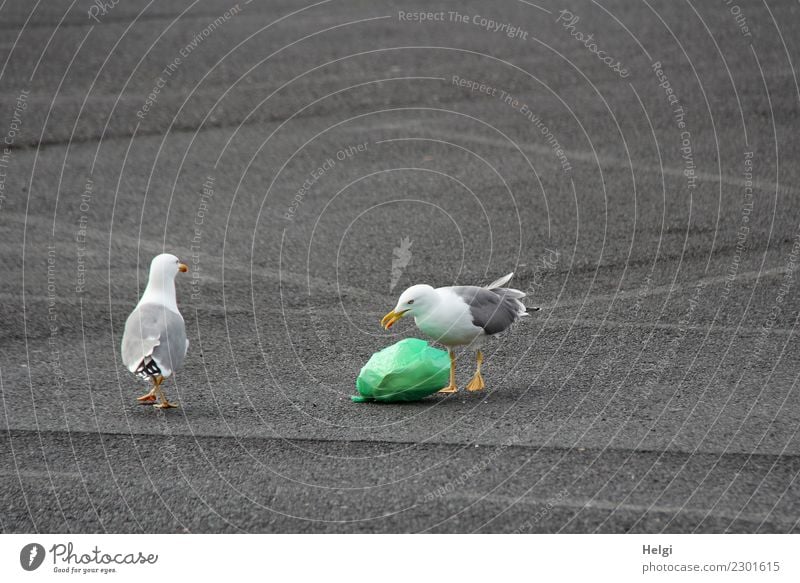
(651, 211)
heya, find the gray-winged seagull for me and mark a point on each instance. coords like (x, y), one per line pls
(154, 343)
(460, 315)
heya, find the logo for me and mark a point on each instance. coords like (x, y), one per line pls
(400, 260)
(31, 556)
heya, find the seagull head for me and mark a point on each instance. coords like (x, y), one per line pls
(416, 301)
(165, 267)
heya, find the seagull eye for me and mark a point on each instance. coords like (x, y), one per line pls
(410, 302)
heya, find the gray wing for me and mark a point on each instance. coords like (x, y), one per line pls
(494, 310)
(154, 335)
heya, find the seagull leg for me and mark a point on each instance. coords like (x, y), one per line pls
(149, 397)
(477, 384)
(164, 404)
(451, 388)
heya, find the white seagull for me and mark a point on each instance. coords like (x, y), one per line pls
(154, 343)
(460, 315)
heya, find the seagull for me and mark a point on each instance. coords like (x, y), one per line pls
(461, 315)
(154, 343)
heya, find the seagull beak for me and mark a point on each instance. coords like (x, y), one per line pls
(392, 317)
(183, 268)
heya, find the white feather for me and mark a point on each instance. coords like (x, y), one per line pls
(501, 282)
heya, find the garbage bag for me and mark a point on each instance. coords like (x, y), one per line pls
(407, 371)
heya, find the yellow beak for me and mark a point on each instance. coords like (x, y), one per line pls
(183, 268)
(392, 317)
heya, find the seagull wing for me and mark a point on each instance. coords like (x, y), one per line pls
(154, 341)
(494, 310)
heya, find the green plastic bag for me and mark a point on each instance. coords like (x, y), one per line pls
(407, 371)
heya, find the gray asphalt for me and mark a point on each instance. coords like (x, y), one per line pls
(656, 390)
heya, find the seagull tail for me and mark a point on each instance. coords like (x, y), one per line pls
(511, 293)
(501, 282)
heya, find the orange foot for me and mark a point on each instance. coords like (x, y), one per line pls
(476, 384)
